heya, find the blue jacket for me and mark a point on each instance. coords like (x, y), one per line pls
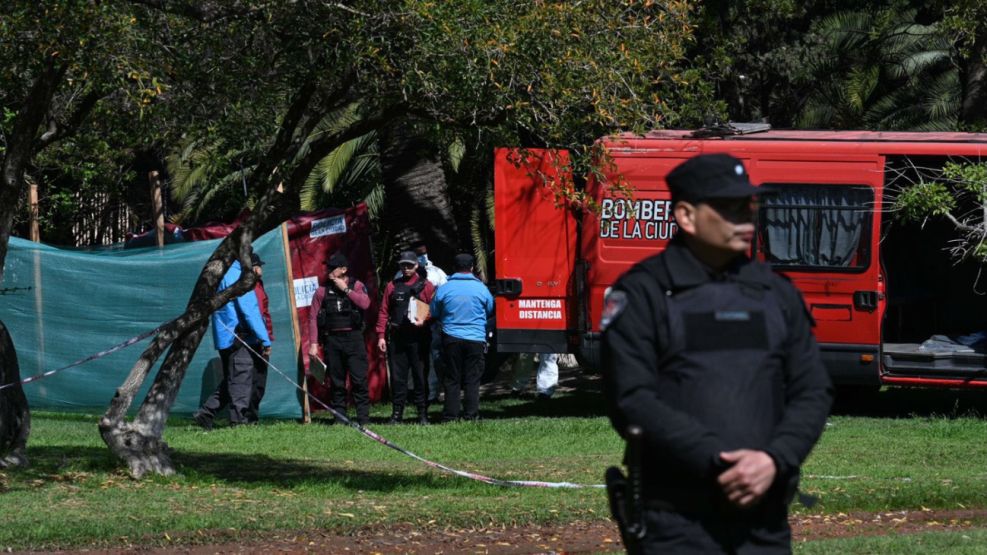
(229, 316)
(462, 307)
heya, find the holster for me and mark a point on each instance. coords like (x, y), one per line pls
(625, 494)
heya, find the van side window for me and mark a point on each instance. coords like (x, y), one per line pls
(816, 227)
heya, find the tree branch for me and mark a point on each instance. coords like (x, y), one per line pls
(57, 131)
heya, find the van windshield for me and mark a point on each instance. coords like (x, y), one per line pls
(816, 227)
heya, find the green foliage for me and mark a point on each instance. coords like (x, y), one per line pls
(879, 69)
(971, 178)
(923, 200)
(958, 192)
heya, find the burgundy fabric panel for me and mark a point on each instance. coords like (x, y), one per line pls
(313, 237)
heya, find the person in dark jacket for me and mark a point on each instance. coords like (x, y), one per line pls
(405, 340)
(711, 354)
(260, 370)
(335, 320)
(463, 307)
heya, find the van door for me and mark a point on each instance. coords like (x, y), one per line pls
(535, 252)
(821, 227)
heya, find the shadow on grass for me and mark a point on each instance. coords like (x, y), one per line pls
(579, 395)
(60, 464)
(263, 470)
(897, 402)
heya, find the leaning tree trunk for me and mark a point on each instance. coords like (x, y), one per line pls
(139, 442)
(417, 195)
(974, 107)
(15, 417)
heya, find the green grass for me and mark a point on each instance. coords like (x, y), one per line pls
(239, 483)
(969, 542)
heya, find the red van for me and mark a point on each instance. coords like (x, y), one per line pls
(878, 288)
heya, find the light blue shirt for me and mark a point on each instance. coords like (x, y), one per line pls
(462, 307)
(227, 318)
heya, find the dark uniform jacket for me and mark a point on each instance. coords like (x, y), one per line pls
(709, 363)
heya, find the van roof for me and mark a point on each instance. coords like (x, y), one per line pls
(822, 135)
(882, 142)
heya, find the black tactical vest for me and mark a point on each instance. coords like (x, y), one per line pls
(722, 361)
(338, 312)
(725, 352)
(400, 297)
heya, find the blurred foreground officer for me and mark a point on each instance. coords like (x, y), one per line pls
(712, 356)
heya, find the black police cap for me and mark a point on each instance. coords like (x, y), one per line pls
(710, 176)
(337, 260)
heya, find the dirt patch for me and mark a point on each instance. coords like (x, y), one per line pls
(576, 537)
(842, 525)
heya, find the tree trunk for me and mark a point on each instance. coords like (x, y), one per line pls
(15, 421)
(974, 108)
(139, 443)
(15, 417)
(417, 195)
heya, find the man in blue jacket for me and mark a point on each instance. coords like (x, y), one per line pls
(462, 307)
(241, 316)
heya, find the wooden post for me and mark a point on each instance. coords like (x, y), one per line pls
(295, 326)
(157, 205)
(33, 198)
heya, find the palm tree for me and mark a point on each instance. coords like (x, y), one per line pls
(882, 70)
(418, 202)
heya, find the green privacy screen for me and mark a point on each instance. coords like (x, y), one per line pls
(62, 305)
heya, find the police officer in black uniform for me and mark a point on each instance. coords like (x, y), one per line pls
(711, 354)
(406, 341)
(336, 322)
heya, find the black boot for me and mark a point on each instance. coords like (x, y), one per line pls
(397, 416)
(423, 416)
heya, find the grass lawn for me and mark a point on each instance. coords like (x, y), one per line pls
(286, 476)
(972, 542)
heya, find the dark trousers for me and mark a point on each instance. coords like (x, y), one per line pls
(463, 362)
(346, 352)
(235, 389)
(407, 350)
(671, 533)
(258, 386)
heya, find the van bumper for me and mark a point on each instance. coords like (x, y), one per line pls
(847, 364)
(532, 341)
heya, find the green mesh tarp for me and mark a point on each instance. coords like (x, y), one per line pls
(62, 305)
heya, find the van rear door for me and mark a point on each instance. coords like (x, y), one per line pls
(535, 252)
(821, 227)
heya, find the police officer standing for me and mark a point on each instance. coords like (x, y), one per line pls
(336, 321)
(712, 356)
(406, 341)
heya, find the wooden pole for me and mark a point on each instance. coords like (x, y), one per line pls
(33, 198)
(295, 326)
(157, 205)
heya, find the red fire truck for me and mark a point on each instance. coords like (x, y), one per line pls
(877, 287)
